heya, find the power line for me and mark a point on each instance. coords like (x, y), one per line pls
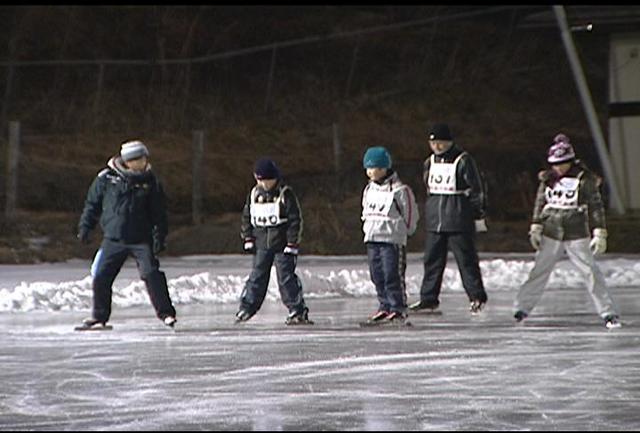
(269, 46)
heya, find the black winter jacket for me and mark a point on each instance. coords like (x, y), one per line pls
(276, 237)
(455, 213)
(131, 206)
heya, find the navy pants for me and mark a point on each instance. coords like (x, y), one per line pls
(462, 245)
(107, 264)
(386, 267)
(289, 284)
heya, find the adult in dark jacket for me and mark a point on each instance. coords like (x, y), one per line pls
(129, 202)
(454, 212)
(271, 230)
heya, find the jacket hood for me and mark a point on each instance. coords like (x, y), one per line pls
(550, 176)
(389, 177)
(450, 154)
(115, 163)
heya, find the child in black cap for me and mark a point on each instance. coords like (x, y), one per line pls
(271, 230)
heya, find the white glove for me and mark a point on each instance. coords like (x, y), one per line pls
(535, 236)
(291, 249)
(249, 245)
(598, 244)
(481, 225)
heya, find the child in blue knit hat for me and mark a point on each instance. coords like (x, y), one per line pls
(272, 230)
(389, 215)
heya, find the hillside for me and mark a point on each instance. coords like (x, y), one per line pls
(505, 91)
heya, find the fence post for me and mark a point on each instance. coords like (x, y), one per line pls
(196, 174)
(7, 95)
(13, 157)
(98, 99)
(337, 148)
(185, 95)
(352, 69)
(270, 82)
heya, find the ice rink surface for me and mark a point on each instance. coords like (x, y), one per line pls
(559, 370)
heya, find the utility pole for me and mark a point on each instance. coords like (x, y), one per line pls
(587, 105)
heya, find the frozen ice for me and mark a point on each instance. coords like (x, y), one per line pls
(560, 369)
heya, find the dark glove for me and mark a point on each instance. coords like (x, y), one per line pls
(249, 246)
(159, 245)
(291, 249)
(83, 236)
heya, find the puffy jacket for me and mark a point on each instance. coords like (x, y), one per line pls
(130, 206)
(390, 221)
(574, 222)
(455, 212)
(285, 229)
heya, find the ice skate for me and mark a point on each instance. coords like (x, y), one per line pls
(398, 319)
(298, 318)
(243, 315)
(378, 316)
(170, 321)
(384, 319)
(612, 322)
(91, 324)
(425, 307)
(520, 316)
(476, 306)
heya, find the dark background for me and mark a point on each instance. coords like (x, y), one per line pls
(82, 79)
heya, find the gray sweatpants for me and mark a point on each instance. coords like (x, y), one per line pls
(551, 250)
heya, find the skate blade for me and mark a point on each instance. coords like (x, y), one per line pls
(307, 323)
(426, 312)
(93, 328)
(385, 324)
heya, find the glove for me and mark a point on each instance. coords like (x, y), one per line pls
(249, 246)
(291, 249)
(481, 225)
(598, 244)
(83, 236)
(159, 245)
(535, 236)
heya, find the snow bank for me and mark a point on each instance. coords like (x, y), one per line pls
(328, 277)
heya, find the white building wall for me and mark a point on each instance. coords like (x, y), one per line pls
(624, 125)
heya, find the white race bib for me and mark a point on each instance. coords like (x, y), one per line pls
(442, 177)
(377, 203)
(265, 214)
(564, 194)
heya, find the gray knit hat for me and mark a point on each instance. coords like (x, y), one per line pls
(133, 150)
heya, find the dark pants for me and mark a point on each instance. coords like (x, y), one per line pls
(402, 267)
(107, 264)
(462, 245)
(289, 285)
(387, 273)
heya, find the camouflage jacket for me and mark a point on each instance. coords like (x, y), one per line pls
(574, 222)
